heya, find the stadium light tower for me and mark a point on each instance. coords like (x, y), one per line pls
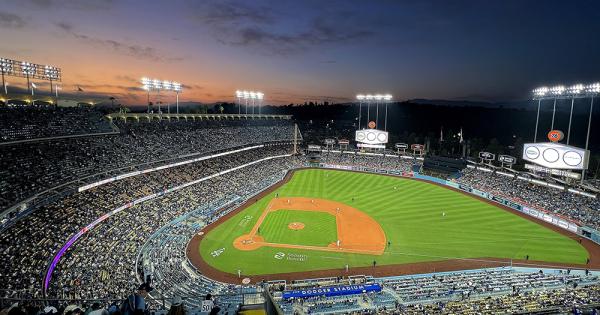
(6, 66)
(177, 88)
(28, 69)
(373, 98)
(158, 85)
(251, 97)
(360, 99)
(561, 92)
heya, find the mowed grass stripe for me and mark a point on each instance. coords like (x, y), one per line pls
(411, 217)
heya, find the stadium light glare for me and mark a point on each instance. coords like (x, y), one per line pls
(6, 65)
(542, 91)
(575, 89)
(557, 90)
(388, 97)
(177, 86)
(369, 97)
(158, 85)
(28, 68)
(360, 97)
(255, 97)
(593, 88)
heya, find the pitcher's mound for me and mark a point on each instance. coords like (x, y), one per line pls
(296, 226)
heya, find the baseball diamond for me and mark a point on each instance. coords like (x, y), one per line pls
(422, 226)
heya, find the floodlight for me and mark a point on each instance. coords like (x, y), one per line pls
(252, 95)
(369, 97)
(176, 86)
(246, 94)
(28, 68)
(146, 82)
(360, 97)
(156, 84)
(260, 95)
(541, 91)
(239, 94)
(387, 97)
(51, 73)
(575, 89)
(378, 97)
(6, 65)
(593, 88)
(167, 85)
(557, 90)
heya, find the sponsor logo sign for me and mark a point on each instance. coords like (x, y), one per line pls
(333, 291)
(556, 172)
(371, 136)
(556, 155)
(401, 146)
(417, 147)
(507, 159)
(487, 156)
(218, 252)
(555, 135)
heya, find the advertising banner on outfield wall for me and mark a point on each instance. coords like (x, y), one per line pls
(551, 219)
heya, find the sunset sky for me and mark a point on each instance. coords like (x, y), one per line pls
(296, 51)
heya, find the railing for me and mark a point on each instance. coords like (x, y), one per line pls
(155, 303)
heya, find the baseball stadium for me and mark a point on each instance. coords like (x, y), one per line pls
(276, 188)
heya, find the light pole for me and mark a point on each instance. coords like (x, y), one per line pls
(260, 96)
(6, 67)
(593, 90)
(388, 98)
(56, 88)
(360, 99)
(239, 94)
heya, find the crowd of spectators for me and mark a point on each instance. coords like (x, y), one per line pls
(30, 168)
(381, 162)
(43, 121)
(583, 209)
(42, 233)
(487, 291)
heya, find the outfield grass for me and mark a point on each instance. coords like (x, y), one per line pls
(319, 229)
(410, 213)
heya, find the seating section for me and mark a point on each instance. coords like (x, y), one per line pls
(29, 168)
(31, 122)
(575, 207)
(491, 291)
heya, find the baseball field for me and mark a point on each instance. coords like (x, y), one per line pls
(327, 219)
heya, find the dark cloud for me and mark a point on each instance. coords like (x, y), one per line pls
(232, 13)
(192, 87)
(10, 20)
(262, 29)
(64, 26)
(133, 50)
(69, 4)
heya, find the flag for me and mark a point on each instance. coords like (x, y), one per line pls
(33, 85)
(461, 136)
(79, 89)
(442, 134)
